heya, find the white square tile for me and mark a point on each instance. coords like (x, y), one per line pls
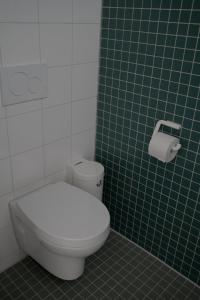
(5, 177)
(59, 11)
(68, 173)
(18, 11)
(83, 115)
(8, 242)
(19, 43)
(25, 131)
(84, 81)
(4, 210)
(59, 86)
(11, 260)
(3, 139)
(56, 177)
(21, 108)
(2, 110)
(86, 11)
(56, 156)
(56, 123)
(19, 192)
(27, 168)
(85, 42)
(92, 140)
(56, 44)
(81, 145)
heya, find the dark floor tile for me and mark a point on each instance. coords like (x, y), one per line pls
(118, 277)
(193, 296)
(146, 289)
(158, 289)
(65, 297)
(91, 297)
(77, 297)
(84, 293)
(179, 295)
(92, 288)
(120, 270)
(132, 288)
(50, 297)
(99, 294)
(57, 293)
(171, 289)
(163, 296)
(29, 293)
(196, 291)
(112, 294)
(107, 287)
(139, 294)
(71, 293)
(35, 297)
(125, 294)
(153, 296)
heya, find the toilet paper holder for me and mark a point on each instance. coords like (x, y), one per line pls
(168, 124)
(163, 146)
(171, 125)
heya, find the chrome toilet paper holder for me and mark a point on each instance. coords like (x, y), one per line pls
(171, 125)
(166, 123)
(162, 146)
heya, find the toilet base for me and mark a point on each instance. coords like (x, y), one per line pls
(61, 266)
(74, 268)
(64, 267)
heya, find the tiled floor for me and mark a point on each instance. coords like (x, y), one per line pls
(120, 270)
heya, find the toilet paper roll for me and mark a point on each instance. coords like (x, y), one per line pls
(161, 145)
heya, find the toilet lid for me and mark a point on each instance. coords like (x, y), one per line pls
(65, 212)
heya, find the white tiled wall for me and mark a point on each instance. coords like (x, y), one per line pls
(38, 139)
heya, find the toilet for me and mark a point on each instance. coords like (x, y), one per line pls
(59, 225)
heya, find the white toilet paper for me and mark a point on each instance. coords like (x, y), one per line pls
(161, 145)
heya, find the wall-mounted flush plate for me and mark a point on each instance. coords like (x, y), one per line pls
(23, 83)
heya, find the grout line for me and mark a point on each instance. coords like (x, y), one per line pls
(160, 45)
(143, 147)
(73, 64)
(165, 111)
(158, 78)
(153, 88)
(149, 7)
(98, 75)
(44, 23)
(118, 107)
(71, 96)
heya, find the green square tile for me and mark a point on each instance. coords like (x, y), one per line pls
(168, 90)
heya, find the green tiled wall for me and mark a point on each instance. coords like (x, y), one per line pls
(150, 70)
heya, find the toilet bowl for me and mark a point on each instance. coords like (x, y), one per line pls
(60, 225)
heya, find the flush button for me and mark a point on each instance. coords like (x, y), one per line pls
(23, 83)
(18, 84)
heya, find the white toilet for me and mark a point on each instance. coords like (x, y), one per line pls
(60, 225)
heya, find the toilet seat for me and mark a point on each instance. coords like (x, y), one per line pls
(64, 215)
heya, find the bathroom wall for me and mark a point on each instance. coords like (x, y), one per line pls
(39, 138)
(149, 70)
